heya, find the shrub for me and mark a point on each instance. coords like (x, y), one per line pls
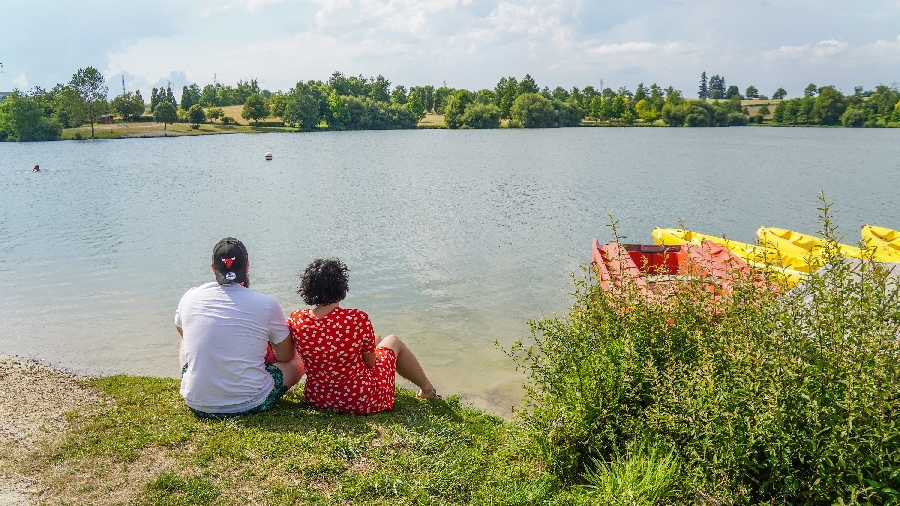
(480, 116)
(853, 118)
(532, 110)
(227, 120)
(214, 113)
(568, 113)
(673, 115)
(764, 398)
(21, 120)
(196, 115)
(738, 119)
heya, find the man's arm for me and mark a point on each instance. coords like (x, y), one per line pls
(180, 348)
(284, 351)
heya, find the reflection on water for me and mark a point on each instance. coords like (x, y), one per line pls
(454, 239)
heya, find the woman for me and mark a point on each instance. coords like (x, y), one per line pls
(349, 368)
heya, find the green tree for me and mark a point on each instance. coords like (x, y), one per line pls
(560, 93)
(244, 90)
(170, 97)
(68, 107)
(278, 101)
(717, 87)
(165, 113)
(399, 95)
(532, 110)
(644, 111)
(853, 117)
(91, 87)
(778, 115)
(697, 116)
(154, 99)
(23, 120)
(528, 85)
(415, 106)
(568, 113)
(703, 92)
(440, 96)
(615, 107)
(255, 108)
(506, 91)
(214, 113)
(190, 95)
(479, 115)
(811, 90)
(761, 114)
(829, 106)
(596, 107)
(640, 93)
(338, 112)
(455, 107)
(378, 89)
(751, 92)
(208, 96)
(128, 105)
(303, 106)
(196, 115)
(673, 114)
(733, 91)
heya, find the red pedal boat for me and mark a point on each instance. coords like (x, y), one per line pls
(651, 268)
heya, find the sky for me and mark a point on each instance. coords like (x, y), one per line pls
(465, 43)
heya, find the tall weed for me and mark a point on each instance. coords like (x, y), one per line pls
(763, 396)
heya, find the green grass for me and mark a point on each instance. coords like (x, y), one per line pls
(420, 453)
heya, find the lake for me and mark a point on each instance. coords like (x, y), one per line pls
(454, 239)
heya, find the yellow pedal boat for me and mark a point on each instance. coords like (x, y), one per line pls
(885, 241)
(793, 268)
(806, 246)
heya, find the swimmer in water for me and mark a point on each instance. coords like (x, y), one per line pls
(37, 168)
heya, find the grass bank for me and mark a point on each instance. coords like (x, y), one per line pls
(145, 447)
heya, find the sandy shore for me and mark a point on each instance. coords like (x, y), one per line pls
(33, 401)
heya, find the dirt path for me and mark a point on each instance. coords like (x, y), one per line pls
(33, 401)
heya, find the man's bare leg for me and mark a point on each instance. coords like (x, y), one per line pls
(292, 371)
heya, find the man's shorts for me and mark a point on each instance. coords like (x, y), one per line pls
(277, 392)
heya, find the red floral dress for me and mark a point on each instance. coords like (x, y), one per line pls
(336, 376)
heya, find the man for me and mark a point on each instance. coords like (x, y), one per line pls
(226, 329)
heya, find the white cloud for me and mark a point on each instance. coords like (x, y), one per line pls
(472, 43)
(835, 52)
(21, 82)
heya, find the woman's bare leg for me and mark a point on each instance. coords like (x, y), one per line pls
(408, 365)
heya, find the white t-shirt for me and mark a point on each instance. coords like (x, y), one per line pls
(226, 331)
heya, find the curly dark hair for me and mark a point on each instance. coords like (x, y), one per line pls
(324, 281)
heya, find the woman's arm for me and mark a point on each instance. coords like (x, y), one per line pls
(369, 359)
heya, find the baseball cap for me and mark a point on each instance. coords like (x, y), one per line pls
(230, 261)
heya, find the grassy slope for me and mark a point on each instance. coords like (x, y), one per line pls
(146, 447)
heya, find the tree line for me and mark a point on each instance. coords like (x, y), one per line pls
(371, 103)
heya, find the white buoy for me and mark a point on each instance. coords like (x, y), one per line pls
(268, 156)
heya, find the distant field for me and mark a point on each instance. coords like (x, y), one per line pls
(125, 129)
(235, 112)
(432, 120)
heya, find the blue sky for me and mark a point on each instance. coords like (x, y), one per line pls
(467, 43)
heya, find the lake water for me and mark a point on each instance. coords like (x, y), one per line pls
(454, 238)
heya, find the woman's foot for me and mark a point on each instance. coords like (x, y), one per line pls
(429, 393)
